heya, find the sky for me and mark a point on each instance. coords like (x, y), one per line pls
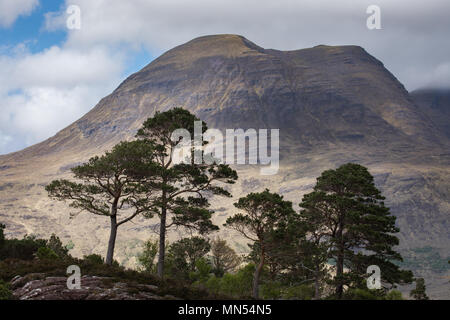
(57, 62)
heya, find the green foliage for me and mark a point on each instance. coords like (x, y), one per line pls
(265, 211)
(266, 219)
(55, 244)
(366, 294)
(394, 295)
(360, 294)
(300, 292)
(95, 259)
(5, 292)
(271, 290)
(45, 253)
(278, 290)
(30, 247)
(23, 249)
(184, 254)
(110, 183)
(214, 284)
(202, 273)
(238, 285)
(419, 293)
(146, 259)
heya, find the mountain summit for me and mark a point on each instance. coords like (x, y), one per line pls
(332, 104)
(317, 96)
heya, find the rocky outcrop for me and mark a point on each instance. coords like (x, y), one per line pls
(38, 286)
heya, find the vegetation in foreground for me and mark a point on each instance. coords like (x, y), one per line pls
(197, 268)
(38, 256)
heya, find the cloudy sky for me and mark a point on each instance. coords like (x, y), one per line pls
(51, 75)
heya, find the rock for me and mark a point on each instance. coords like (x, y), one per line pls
(170, 297)
(19, 281)
(149, 287)
(37, 286)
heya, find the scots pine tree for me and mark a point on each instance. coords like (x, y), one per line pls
(265, 214)
(347, 211)
(420, 292)
(107, 185)
(181, 189)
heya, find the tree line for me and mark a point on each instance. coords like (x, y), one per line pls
(339, 229)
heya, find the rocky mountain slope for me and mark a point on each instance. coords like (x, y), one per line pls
(332, 104)
(436, 104)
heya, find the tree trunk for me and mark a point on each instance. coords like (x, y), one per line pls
(317, 284)
(162, 239)
(339, 274)
(112, 240)
(257, 275)
(340, 263)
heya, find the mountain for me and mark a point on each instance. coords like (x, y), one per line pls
(436, 104)
(332, 104)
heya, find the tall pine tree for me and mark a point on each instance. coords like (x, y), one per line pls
(180, 189)
(348, 212)
(266, 215)
(107, 185)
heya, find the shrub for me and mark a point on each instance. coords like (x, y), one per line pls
(146, 259)
(23, 249)
(271, 290)
(5, 293)
(55, 244)
(213, 284)
(394, 295)
(237, 285)
(94, 259)
(183, 254)
(360, 294)
(300, 292)
(203, 271)
(45, 253)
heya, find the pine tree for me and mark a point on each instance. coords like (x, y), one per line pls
(146, 259)
(108, 185)
(347, 211)
(265, 215)
(224, 258)
(184, 254)
(419, 293)
(180, 188)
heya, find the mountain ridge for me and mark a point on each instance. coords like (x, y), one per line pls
(296, 58)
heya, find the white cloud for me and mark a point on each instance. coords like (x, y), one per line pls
(10, 10)
(62, 68)
(42, 93)
(4, 140)
(413, 32)
(437, 76)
